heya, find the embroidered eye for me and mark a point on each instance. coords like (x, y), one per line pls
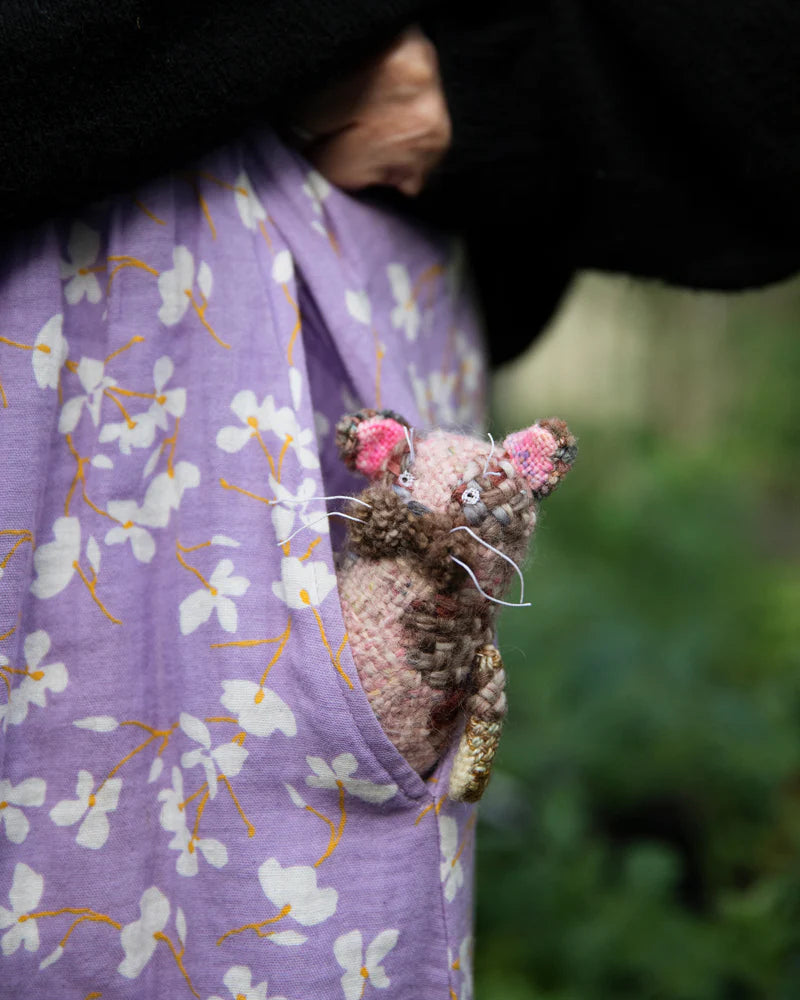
(405, 479)
(471, 495)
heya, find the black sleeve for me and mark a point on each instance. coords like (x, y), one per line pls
(659, 138)
(97, 95)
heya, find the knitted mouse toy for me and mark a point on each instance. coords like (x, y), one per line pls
(433, 544)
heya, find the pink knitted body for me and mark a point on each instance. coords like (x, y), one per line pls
(438, 503)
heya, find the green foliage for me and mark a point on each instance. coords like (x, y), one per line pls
(641, 837)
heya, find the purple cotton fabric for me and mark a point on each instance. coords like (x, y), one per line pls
(195, 797)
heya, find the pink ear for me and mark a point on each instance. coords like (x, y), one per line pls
(542, 454)
(377, 437)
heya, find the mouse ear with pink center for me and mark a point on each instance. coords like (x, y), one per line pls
(542, 454)
(366, 439)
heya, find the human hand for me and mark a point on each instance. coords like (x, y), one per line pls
(385, 125)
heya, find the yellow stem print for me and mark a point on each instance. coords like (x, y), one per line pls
(206, 175)
(265, 234)
(3, 396)
(43, 348)
(335, 657)
(453, 995)
(139, 395)
(380, 354)
(428, 277)
(297, 326)
(35, 675)
(193, 796)
(126, 347)
(91, 585)
(178, 956)
(467, 830)
(125, 260)
(192, 548)
(126, 416)
(252, 422)
(7, 683)
(257, 927)
(282, 639)
(83, 915)
(150, 215)
(164, 734)
(220, 718)
(282, 455)
(93, 996)
(81, 461)
(201, 808)
(251, 830)
(336, 832)
(11, 631)
(238, 489)
(436, 806)
(24, 535)
(178, 549)
(310, 549)
(201, 312)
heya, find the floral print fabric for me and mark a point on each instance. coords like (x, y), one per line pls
(195, 798)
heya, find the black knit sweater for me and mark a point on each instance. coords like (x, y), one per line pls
(658, 138)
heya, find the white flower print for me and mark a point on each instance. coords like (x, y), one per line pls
(142, 544)
(173, 819)
(47, 363)
(303, 584)
(239, 981)
(82, 250)
(138, 938)
(167, 403)
(317, 189)
(282, 267)
(470, 366)
(164, 494)
(24, 895)
(359, 307)
(196, 609)
(360, 969)
(405, 315)
(94, 381)
(248, 205)
(36, 683)
(228, 757)
(258, 709)
(434, 396)
(266, 417)
(464, 964)
(296, 887)
(293, 505)
(450, 871)
(92, 806)
(27, 793)
(340, 771)
(175, 285)
(54, 562)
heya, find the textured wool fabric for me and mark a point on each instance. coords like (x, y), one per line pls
(433, 544)
(196, 798)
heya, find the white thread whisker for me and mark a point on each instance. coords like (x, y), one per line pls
(291, 500)
(489, 458)
(506, 604)
(410, 440)
(508, 559)
(333, 513)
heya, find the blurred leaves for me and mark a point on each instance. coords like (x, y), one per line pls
(641, 837)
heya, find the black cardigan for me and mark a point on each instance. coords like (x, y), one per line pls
(660, 138)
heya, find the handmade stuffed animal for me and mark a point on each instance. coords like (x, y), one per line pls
(433, 544)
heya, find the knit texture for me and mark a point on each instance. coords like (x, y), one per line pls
(420, 628)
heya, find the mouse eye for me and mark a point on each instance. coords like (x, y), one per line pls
(405, 479)
(471, 495)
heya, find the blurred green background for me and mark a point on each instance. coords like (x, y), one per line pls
(641, 835)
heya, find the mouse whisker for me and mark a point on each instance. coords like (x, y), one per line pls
(333, 513)
(508, 559)
(495, 600)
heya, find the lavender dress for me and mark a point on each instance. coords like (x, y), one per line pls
(195, 797)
